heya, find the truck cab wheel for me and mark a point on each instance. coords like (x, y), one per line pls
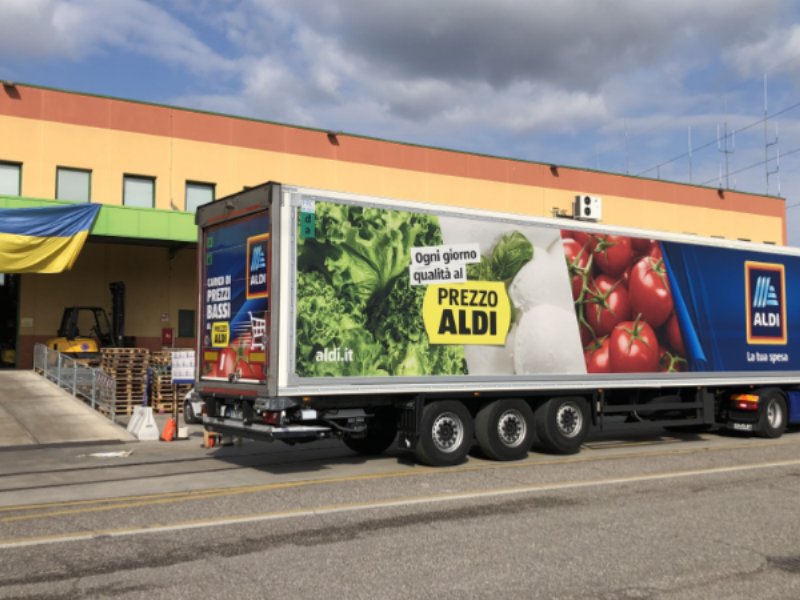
(772, 415)
(504, 429)
(445, 435)
(188, 414)
(381, 432)
(562, 424)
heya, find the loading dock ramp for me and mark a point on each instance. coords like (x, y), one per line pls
(35, 411)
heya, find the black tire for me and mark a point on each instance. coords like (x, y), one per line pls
(562, 424)
(772, 415)
(381, 432)
(445, 435)
(188, 413)
(504, 429)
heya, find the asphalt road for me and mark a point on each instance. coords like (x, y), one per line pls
(651, 517)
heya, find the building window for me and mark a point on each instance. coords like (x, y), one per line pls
(73, 184)
(197, 194)
(10, 178)
(185, 323)
(138, 191)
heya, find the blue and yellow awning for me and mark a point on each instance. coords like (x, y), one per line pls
(43, 240)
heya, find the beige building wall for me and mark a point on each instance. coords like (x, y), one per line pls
(44, 129)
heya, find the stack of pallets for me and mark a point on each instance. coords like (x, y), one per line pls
(163, 392)
(128, 367)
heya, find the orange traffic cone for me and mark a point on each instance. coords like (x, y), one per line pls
(169, 431)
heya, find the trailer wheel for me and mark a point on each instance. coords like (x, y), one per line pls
(188, 414)
(381, 432)
(562, 424)
(504, 429)
(445, 435)
(772, 415)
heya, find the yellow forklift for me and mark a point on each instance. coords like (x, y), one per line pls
(85, 330)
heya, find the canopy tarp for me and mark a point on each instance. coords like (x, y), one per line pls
(43, 239)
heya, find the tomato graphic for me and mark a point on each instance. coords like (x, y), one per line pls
(633, 348)
(596, 356)
(244, 369)
(649, 291)
(578, 264)
(258, 371)
(586, 334)
(606, 304)
(586, 240)
(655, 251)
(613, 253)
(226, 362)
(669, 362)
(210, 370)
(674, 336)
(641, 246)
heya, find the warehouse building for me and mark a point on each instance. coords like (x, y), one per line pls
(149, 167)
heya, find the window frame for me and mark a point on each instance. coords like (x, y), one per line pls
(18, 165)
(135, 176)
(190, 182)
(88, 172)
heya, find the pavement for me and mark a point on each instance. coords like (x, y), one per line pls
(35, 411)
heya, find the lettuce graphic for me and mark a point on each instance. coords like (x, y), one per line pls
(353, 293)
(508, 256)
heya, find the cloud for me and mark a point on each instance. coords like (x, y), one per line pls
(778, 49)
(577, 81)
(570, 44)
(77, 29)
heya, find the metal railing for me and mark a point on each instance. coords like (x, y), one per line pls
(91, 384)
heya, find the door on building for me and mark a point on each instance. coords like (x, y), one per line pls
(9, 312)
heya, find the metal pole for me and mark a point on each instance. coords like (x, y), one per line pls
(94, 389)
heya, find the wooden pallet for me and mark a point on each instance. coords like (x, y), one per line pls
(120, 408)
(167, 407)
(125, 351)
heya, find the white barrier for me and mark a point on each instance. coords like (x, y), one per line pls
(143, 424)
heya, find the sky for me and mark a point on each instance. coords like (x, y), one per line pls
(706, 92)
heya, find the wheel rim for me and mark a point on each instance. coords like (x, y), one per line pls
(774, 414)
(188, 411)
(511, 428)
(569, 420)
(447, 432)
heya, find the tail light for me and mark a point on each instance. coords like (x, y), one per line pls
(745, 401)
(272, 417)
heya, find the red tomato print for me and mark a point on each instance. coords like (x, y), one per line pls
(226, 362)
(244, 369)
(613, 254)
(674, 336)
(596, 356)
(649, 291)
(586, 240)
(633, 348)
(641, 246)
(606, 304)
(578, 264)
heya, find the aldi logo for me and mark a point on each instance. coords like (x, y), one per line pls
(257, 270)
(765, 285)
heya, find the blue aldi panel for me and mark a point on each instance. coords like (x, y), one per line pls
(735, 307)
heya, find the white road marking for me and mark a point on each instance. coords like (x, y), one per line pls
(395, 503)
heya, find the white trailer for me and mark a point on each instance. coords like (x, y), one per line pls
(324, 314)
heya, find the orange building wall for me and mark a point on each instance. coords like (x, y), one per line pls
(156, 284)
(44, 129)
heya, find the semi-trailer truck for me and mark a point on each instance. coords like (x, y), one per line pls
(334, 315)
